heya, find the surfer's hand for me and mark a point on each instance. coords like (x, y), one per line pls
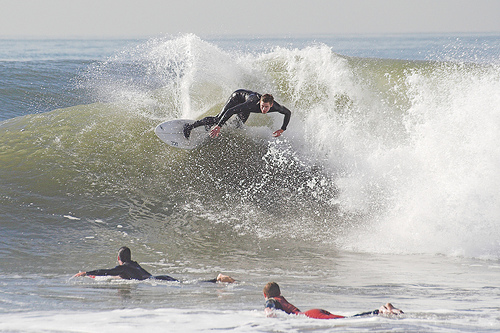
(389, 309)
(270, 313)
(80, 274)
(278, 133)
(225, 278)
(215, 131)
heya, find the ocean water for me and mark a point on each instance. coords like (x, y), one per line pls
(384, 188)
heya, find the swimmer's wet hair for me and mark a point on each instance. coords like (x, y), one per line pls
(271, 289)
(124, 254)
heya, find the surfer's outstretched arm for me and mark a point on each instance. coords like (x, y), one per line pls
(287, 114)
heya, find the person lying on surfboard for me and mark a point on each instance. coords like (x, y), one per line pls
(274, 301)
(130, 270)
(242, 102)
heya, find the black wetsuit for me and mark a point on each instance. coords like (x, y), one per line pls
(129, 271)
(242, 102)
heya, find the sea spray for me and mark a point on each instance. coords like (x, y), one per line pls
(443, 194)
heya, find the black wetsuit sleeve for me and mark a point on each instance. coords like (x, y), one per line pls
(117, 271)
(284, 111)
(165, 278)
(369, 313)
(210, 281)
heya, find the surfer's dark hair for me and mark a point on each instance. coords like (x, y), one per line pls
(267, 98)
(124, 254)
(271, 289)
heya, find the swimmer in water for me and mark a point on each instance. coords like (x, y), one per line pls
(274, 301)
(130, 270)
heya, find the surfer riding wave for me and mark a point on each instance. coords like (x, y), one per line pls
(242, 102)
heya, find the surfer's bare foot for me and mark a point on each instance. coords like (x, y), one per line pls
(187, 130)
(389, 309)
(225, 278)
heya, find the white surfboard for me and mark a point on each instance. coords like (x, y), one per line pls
(172, 133)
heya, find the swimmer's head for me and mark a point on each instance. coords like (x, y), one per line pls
(271, 289)
(124, 254)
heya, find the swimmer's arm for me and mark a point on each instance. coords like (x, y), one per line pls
(114, 272)
(284, 111)
(287, 114)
